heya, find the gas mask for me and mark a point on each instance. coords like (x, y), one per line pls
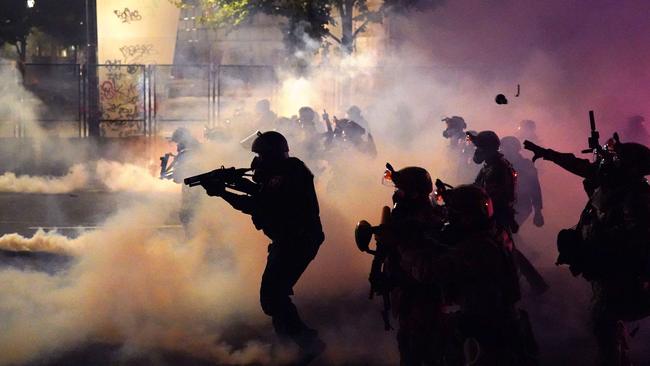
(479, 156)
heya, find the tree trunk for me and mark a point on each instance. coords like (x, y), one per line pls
(347, 34)
(21, 49)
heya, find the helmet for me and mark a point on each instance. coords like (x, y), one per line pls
(486, 140)
(527, 124)
(510, 145)
(181, 135)
(354, 110)
(270, 143)
(635, 158)
(455, 122)
(307, 114)
(413, 179)
(469, 201)
(501, 99)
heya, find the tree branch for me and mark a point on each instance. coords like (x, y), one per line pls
(333, 37)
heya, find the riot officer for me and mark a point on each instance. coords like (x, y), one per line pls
(528, 189)
(609, 247)
(498, 178)
(183, 167)
(527, 130)
(266, 118)
(413, 226)
(285, 208)
(478, 274)
(455, 131)
(354, 114)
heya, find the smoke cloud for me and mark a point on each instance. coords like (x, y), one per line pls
(148, 290)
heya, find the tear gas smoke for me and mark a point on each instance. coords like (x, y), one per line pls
(148, 290)
(112, 175)
(77, 178)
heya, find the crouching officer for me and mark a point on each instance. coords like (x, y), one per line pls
(286, 209)
(478, 273)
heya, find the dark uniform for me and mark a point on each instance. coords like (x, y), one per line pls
(528, 189)
(478, 273)
(610, 246)
(182, 167)
(498, 178)
(413, 226)
(286, 209)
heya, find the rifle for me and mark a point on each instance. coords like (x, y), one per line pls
(232, 178)
(594, 144)
(379, 278)
(166, 170)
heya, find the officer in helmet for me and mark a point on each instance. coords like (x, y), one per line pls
(412, 229)
(527, 130)
(455, 130)
(354, 114)
(478, 274)
(610, 246)
(182, 167)
(528, 189)
(286, 209)
(498, 178)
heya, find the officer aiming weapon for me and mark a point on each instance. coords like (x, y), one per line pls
(379, 279)
(232, 178)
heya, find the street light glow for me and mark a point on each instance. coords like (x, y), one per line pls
(30, 3)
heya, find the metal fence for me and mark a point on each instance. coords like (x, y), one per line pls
(133, 100)
(145, 100)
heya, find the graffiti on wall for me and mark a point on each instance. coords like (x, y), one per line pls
(136, 53)
(127, 15)
(121, 95)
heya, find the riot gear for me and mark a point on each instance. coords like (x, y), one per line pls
(469, 201)
(609, 245)
(413, 180)
(270, 143)
(455, 127)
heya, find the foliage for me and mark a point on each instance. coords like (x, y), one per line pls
(314, 18)
(15, 25)
(64, 23)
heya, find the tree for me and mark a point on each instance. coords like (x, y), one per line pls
(63, 23)
(315, 18)
(15, 27)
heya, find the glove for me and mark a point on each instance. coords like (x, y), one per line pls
(538, 219)
(213, 189)
(538, 151)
